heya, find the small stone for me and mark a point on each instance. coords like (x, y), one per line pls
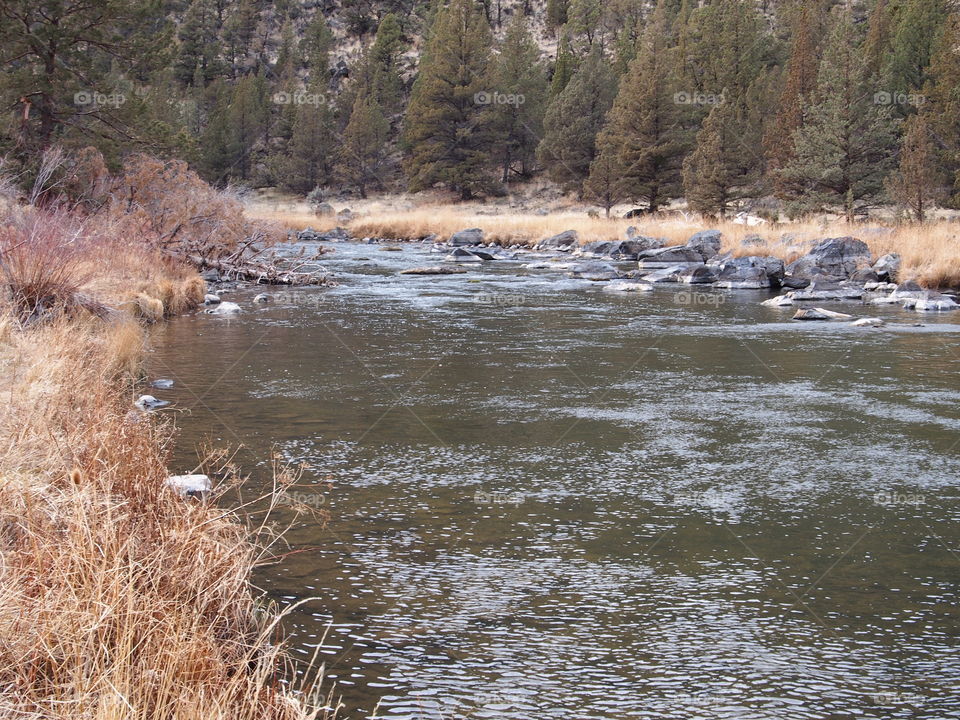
(211, 299)
(188, 486)
(149, 402)
(262, 298)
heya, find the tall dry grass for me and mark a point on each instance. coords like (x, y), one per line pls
(118, 599)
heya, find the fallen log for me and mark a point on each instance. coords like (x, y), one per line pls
(260, 272)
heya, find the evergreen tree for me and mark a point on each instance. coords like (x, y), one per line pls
(798, 88)
(448, 126)
(573, 120)
(845, 148)
(604, 183)
(943, 102)
(918, 29)
(917, 185)
(584, 21)
(317, 43)
(247, 117)
(644, 141)
(238, 32)
(385, 55)
(520, 85)
(199, 43)
(876, 47)
(364, 145)
(556, 14)
(564, 68)
(311, 149)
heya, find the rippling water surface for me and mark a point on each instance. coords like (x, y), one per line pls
(550, 501)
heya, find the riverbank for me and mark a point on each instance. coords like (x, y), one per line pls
(930, 253)
(118, 597)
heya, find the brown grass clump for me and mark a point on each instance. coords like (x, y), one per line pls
(117, 598)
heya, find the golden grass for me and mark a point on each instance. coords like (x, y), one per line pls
(118, 599)
(930, 252)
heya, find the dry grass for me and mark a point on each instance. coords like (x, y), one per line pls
(118, 599)
(930, 252)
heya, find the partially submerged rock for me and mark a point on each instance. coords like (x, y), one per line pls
(189, 486)
(665, 257)
(779, 301)
(699, 275)
(211, 299)
(837, 258)
(629, 287)
(149, 402)
(560, 241)
(433, 270)
(868, 322)
(820, 314)
(470, 236)
(262, 299)
(162, 384)
(224, 308)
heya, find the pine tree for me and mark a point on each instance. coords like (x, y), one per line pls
(556, 14)
(317, 43)
(448, 125)
(385, 55)
(943, 102)
(723, 169)
(604, 182)
(644, 140)
(918, 29)
(564, 68)
(238, 32)
(584, 21)
(364, 144)
(199, 43)
(876, 47)
(798, 88)
(917, 185)
(310, 152)
(247, 117)
(520, 91)
(844, 149)
(574, 119)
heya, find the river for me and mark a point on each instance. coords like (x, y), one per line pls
(546, 500)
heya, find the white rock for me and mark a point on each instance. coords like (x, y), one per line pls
(820, 314)
(149, 402)
(189, 485)
(779, 301)
(868, 322)
(262, 298)
(628, 287)
(211, 299)
(225, 308)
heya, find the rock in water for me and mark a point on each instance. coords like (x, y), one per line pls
(564, 240)
(162, 384)
(262, 298)
(629, 287)
(868, 322)
(779, 301)
(707, 243)
(888, 267)
(224, 308)
(433, 270)
(149, 402)
(211, 299)
(471, 236)
(188, 486)
(820, 314)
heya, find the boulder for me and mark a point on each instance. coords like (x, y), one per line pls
(323, 209)
(934, 302)
(794, 283)
(262, 299)
(820, 314)
(868, 322)
(864, 276)
(779, 301)
(836, 257)
(189, 486)
(734, 277)
(433, 270)
(702, 275)
(629, 287)
(598, 248)
(635, 213)
(345, 215)
(669, 274)
(623, 250)
(888, 267)
(561, 241)
(224, 308)
(669, 256)
(707, 243)
(462, 255)
(820, 290)
(149, 402)
(594, 271)
(471, 236)
(211, 299)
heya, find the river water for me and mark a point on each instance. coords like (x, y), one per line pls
(546, 500)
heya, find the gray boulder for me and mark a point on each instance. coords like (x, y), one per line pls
(224, 308)
(888, 267)
(149, 402)
(668, 256)
(433, 270)
(595, 271)
(752, 272)
(471, 236)
(707, 243)
(820, 290)
(701, 275)
(669, 274)
(262, 298)
(211, 299)
(820, 314)
(836, 257)
(461, 255)
(561, 241)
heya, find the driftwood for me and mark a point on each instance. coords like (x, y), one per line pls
(254, 264)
